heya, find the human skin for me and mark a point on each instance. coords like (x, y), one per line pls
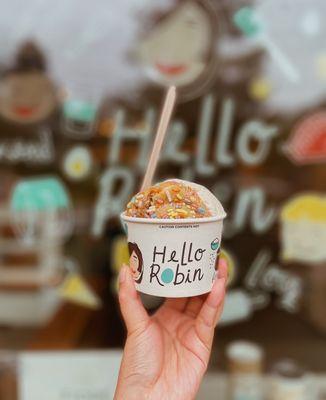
(166, 354)
(134, 263)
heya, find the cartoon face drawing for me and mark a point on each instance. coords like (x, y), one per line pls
(176, 50)
(26, 97)
(26, 93)
(136, 262)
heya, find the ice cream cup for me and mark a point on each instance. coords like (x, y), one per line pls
(173, 257)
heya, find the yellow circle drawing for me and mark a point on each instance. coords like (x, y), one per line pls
(230, 261)
(320, 65)
(120, 253)
(259, 89)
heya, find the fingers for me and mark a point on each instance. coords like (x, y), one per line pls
(195, 303)
(219, 312)
(177, 304)
(206, 319)
(132, 309)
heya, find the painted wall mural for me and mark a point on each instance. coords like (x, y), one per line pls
(250, 124)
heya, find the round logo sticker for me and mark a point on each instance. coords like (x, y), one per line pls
(215, 244)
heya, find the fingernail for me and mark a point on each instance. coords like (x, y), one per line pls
(122, 275)
(222, 263)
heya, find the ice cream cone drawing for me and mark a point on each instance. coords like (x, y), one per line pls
(27, 95)
(253, 26)
(41, 205)
(307, 144)
(303, 228)
(79, 117)
(175, 52)
(76, 289)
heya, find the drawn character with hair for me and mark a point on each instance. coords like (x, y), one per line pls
(177, 49)
(27, 95)
(136, 262)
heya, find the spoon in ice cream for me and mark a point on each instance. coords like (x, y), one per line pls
(160, 135)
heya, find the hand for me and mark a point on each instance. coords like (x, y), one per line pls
(166, 355)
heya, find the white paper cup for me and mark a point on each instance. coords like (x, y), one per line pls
(173, 257)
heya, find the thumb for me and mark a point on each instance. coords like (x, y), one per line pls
(132, 309)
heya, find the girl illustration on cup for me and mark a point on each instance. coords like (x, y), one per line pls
(136, 262)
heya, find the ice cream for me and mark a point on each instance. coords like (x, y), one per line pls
(174, 199)
(174, 232)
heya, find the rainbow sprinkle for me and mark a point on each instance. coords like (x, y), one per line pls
(168, 200)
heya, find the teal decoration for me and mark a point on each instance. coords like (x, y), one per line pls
(247, 21)
(215, 244)
(42, 194)
(79, 110)
(167, 275)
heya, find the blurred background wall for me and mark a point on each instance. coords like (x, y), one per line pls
(81, 85)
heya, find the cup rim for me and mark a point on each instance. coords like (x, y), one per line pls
(174, 221)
